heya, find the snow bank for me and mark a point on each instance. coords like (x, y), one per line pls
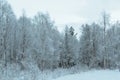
(93, 75)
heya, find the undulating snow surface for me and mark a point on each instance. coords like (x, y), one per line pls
(93, 75)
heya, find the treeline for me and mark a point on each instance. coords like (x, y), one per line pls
(37, 42)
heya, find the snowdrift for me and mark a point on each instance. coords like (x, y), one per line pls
(93, 75)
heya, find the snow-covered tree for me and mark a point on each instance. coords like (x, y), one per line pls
(7, 26)
(69, 48)
(47, 41)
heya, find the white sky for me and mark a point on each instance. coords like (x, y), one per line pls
(68, 11)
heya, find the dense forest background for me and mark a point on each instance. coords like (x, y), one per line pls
(28, 43)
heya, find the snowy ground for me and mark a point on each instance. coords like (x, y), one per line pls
(93, 75)
(76, 73)
(13, 72)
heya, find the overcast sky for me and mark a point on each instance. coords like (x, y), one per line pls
(68, 11)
